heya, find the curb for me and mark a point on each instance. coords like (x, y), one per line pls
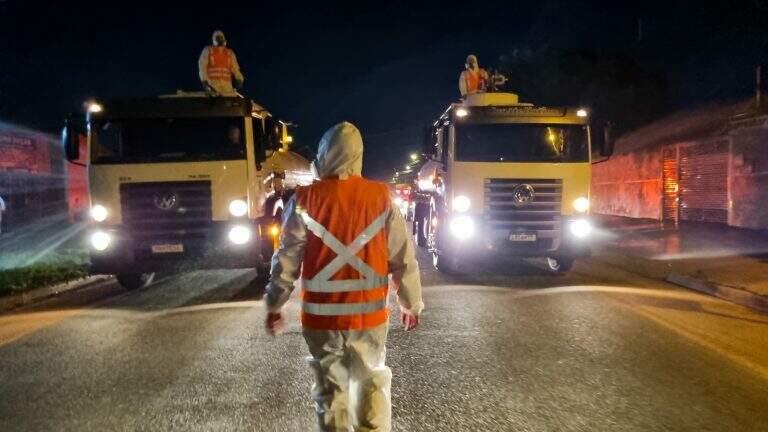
(731, 294)
(37, 294)
(654, 270)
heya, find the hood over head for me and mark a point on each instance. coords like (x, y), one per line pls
(218, 38)
(471, 62)
(340, 152)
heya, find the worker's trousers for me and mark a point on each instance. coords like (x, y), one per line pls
(352, 383)
(223, 87)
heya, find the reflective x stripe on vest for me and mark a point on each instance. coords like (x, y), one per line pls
(345, 254)
(219, 63)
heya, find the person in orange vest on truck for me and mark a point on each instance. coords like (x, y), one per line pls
(2, 209)
(344, 243)
(473, 79)
(218, 67)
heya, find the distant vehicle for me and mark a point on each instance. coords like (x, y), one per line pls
(184, 181)
(506, 179)
(34, 179)
(77, 183)
(403, 184)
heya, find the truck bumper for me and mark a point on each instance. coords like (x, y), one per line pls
(131, 253)
(508, 243)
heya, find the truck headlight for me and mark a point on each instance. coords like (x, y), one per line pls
(99, 213)
(238, 208)
(581, 204)
(462, 227)
(239, 235)
(100, 240)
(461, 204)
(581, 228)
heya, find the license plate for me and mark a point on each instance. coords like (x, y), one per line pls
(168, 248)
(522, 237)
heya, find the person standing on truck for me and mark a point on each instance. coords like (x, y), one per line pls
(473, 79)
(218, 67)
(2, 210)
(342, 238)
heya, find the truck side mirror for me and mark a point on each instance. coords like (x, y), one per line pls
(428, 143)
(70, 139)
(606, 143)
(260, 140)
(271, 134)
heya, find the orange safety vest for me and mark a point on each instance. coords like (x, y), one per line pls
(474, 80)
(344, 283)
(219, 63)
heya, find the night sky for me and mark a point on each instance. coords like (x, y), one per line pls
(388, 67)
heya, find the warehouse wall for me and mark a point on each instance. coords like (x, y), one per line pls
(629, 184)
(748, 179)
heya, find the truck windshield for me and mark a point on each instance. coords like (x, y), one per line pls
(167, 140)
(505, 142)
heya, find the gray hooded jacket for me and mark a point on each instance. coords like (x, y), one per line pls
(341, 155)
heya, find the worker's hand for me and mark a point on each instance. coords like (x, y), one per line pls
(208, 87)
(274, 323)
(409, 320)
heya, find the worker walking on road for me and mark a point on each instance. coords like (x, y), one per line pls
(473, 79)
(218, 67)
(342, 237)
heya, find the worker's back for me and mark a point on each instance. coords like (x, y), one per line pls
(351, 210)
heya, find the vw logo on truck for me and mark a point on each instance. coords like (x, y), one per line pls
(166, 201)
(522, 195)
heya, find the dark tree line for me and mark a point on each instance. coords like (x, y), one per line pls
(615, 86)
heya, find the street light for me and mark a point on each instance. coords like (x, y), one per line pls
(94, 107)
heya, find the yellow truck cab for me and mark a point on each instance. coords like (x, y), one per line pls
(506, 179)
(184, 181)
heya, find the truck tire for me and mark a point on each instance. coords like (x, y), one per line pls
(132, 281)
(445, 262)
(420, 224)
(262, 272)
(560, 265)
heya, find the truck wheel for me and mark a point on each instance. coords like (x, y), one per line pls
(559, 264)
(262, 271)
(420, 225)
(132, 281)
(445, 263)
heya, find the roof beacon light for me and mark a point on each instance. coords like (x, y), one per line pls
(581, 113)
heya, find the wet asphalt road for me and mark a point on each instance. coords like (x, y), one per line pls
(517, 351)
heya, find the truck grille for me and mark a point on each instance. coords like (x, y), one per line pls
(166, 211)
(541, 214)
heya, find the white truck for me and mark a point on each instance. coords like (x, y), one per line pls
(184, 181)
(506, 179)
